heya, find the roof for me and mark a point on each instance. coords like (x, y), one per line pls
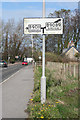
(69, 49)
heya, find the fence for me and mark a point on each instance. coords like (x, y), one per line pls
(63, 69)
(72, 69)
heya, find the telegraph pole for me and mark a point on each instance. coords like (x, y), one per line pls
(43, 78)
(32, 45)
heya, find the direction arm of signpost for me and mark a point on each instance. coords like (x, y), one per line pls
(43, 29)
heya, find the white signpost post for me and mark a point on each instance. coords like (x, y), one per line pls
(43, 26)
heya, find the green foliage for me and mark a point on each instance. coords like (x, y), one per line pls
(43, 111)
(50, 56)
(36, 55)
(12, 61)
(37, 96)
(37, 77)
(77, 55)
(57, 89)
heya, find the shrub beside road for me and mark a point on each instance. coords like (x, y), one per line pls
(62, 96)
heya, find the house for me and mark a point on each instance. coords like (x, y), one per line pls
(71, 51)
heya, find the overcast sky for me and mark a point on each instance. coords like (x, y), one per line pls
(20, 10)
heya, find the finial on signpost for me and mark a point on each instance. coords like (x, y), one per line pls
(43, 8)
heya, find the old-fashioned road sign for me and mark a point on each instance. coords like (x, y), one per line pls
(43, 26)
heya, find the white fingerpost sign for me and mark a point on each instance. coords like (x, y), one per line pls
(43, 26)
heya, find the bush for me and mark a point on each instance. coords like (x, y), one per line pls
(77, 55)
(36, 55)
(65, 59)
(37, 96)
(12, 61)
(51, 57)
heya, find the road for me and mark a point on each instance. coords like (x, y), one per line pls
(6, 72)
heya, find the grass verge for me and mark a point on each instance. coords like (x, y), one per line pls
(62, 97)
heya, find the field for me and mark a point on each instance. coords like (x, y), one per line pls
(62, 94)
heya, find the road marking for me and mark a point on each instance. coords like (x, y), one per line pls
(10, 77)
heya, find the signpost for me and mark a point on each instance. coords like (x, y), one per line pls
(43, 26)
(43, 78)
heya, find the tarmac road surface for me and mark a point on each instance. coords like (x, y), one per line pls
(8, 71)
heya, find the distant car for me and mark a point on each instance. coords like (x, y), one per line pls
(24, 63)
(3, 63)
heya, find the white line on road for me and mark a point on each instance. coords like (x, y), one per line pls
(10, 77)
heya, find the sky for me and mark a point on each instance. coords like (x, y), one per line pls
(20, 10)
(40, 0)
